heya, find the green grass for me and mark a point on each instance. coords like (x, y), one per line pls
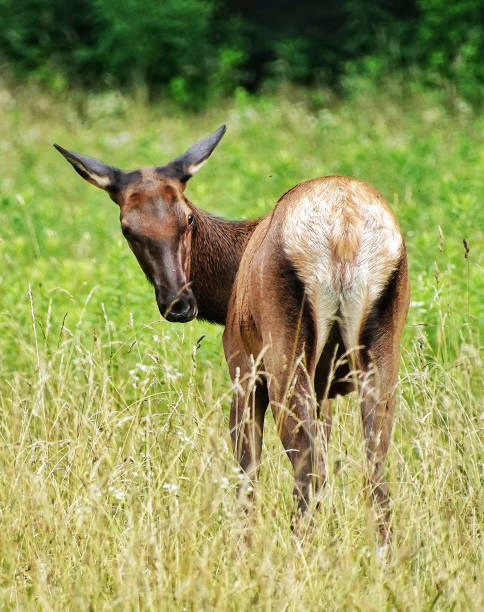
(117, 482)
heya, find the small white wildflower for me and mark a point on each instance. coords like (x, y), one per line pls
(118, 494)
(169, 486)
(123, 420)
(183, 437)
(170, 373)
(239, 472)
(95, 491)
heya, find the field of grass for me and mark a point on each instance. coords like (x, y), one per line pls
(117, 482)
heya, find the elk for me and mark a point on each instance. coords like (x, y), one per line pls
(313, 296)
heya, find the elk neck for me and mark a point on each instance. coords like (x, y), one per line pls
(216, 251)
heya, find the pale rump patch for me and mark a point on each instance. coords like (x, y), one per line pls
(344, 243)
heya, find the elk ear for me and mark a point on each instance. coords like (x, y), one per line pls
(94, 171)
(191, 161)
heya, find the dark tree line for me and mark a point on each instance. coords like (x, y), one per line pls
(189, 48)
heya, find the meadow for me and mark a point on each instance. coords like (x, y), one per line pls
(117, 481)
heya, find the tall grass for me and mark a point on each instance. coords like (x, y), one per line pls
(117, 482)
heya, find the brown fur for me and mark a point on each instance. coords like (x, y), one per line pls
(270, 314)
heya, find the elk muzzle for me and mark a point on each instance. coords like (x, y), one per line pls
(178, 308)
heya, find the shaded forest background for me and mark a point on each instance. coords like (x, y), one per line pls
(193, 50)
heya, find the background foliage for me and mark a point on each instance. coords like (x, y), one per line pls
(195, 49)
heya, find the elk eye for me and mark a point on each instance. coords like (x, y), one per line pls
(190, 219)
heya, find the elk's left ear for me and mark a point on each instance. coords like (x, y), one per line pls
(94, 171)
(191, 161)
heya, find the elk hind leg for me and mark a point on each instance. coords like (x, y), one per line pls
(292, 404)
(249, 404)
(377, 360)
(290, 366)
(377, 412)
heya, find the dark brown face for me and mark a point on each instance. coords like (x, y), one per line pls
(156, 220)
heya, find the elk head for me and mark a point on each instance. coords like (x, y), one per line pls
(156, 219)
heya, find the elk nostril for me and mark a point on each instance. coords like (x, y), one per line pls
(179, 307)
(127, 231)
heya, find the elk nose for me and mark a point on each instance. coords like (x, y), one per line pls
(181, 310)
